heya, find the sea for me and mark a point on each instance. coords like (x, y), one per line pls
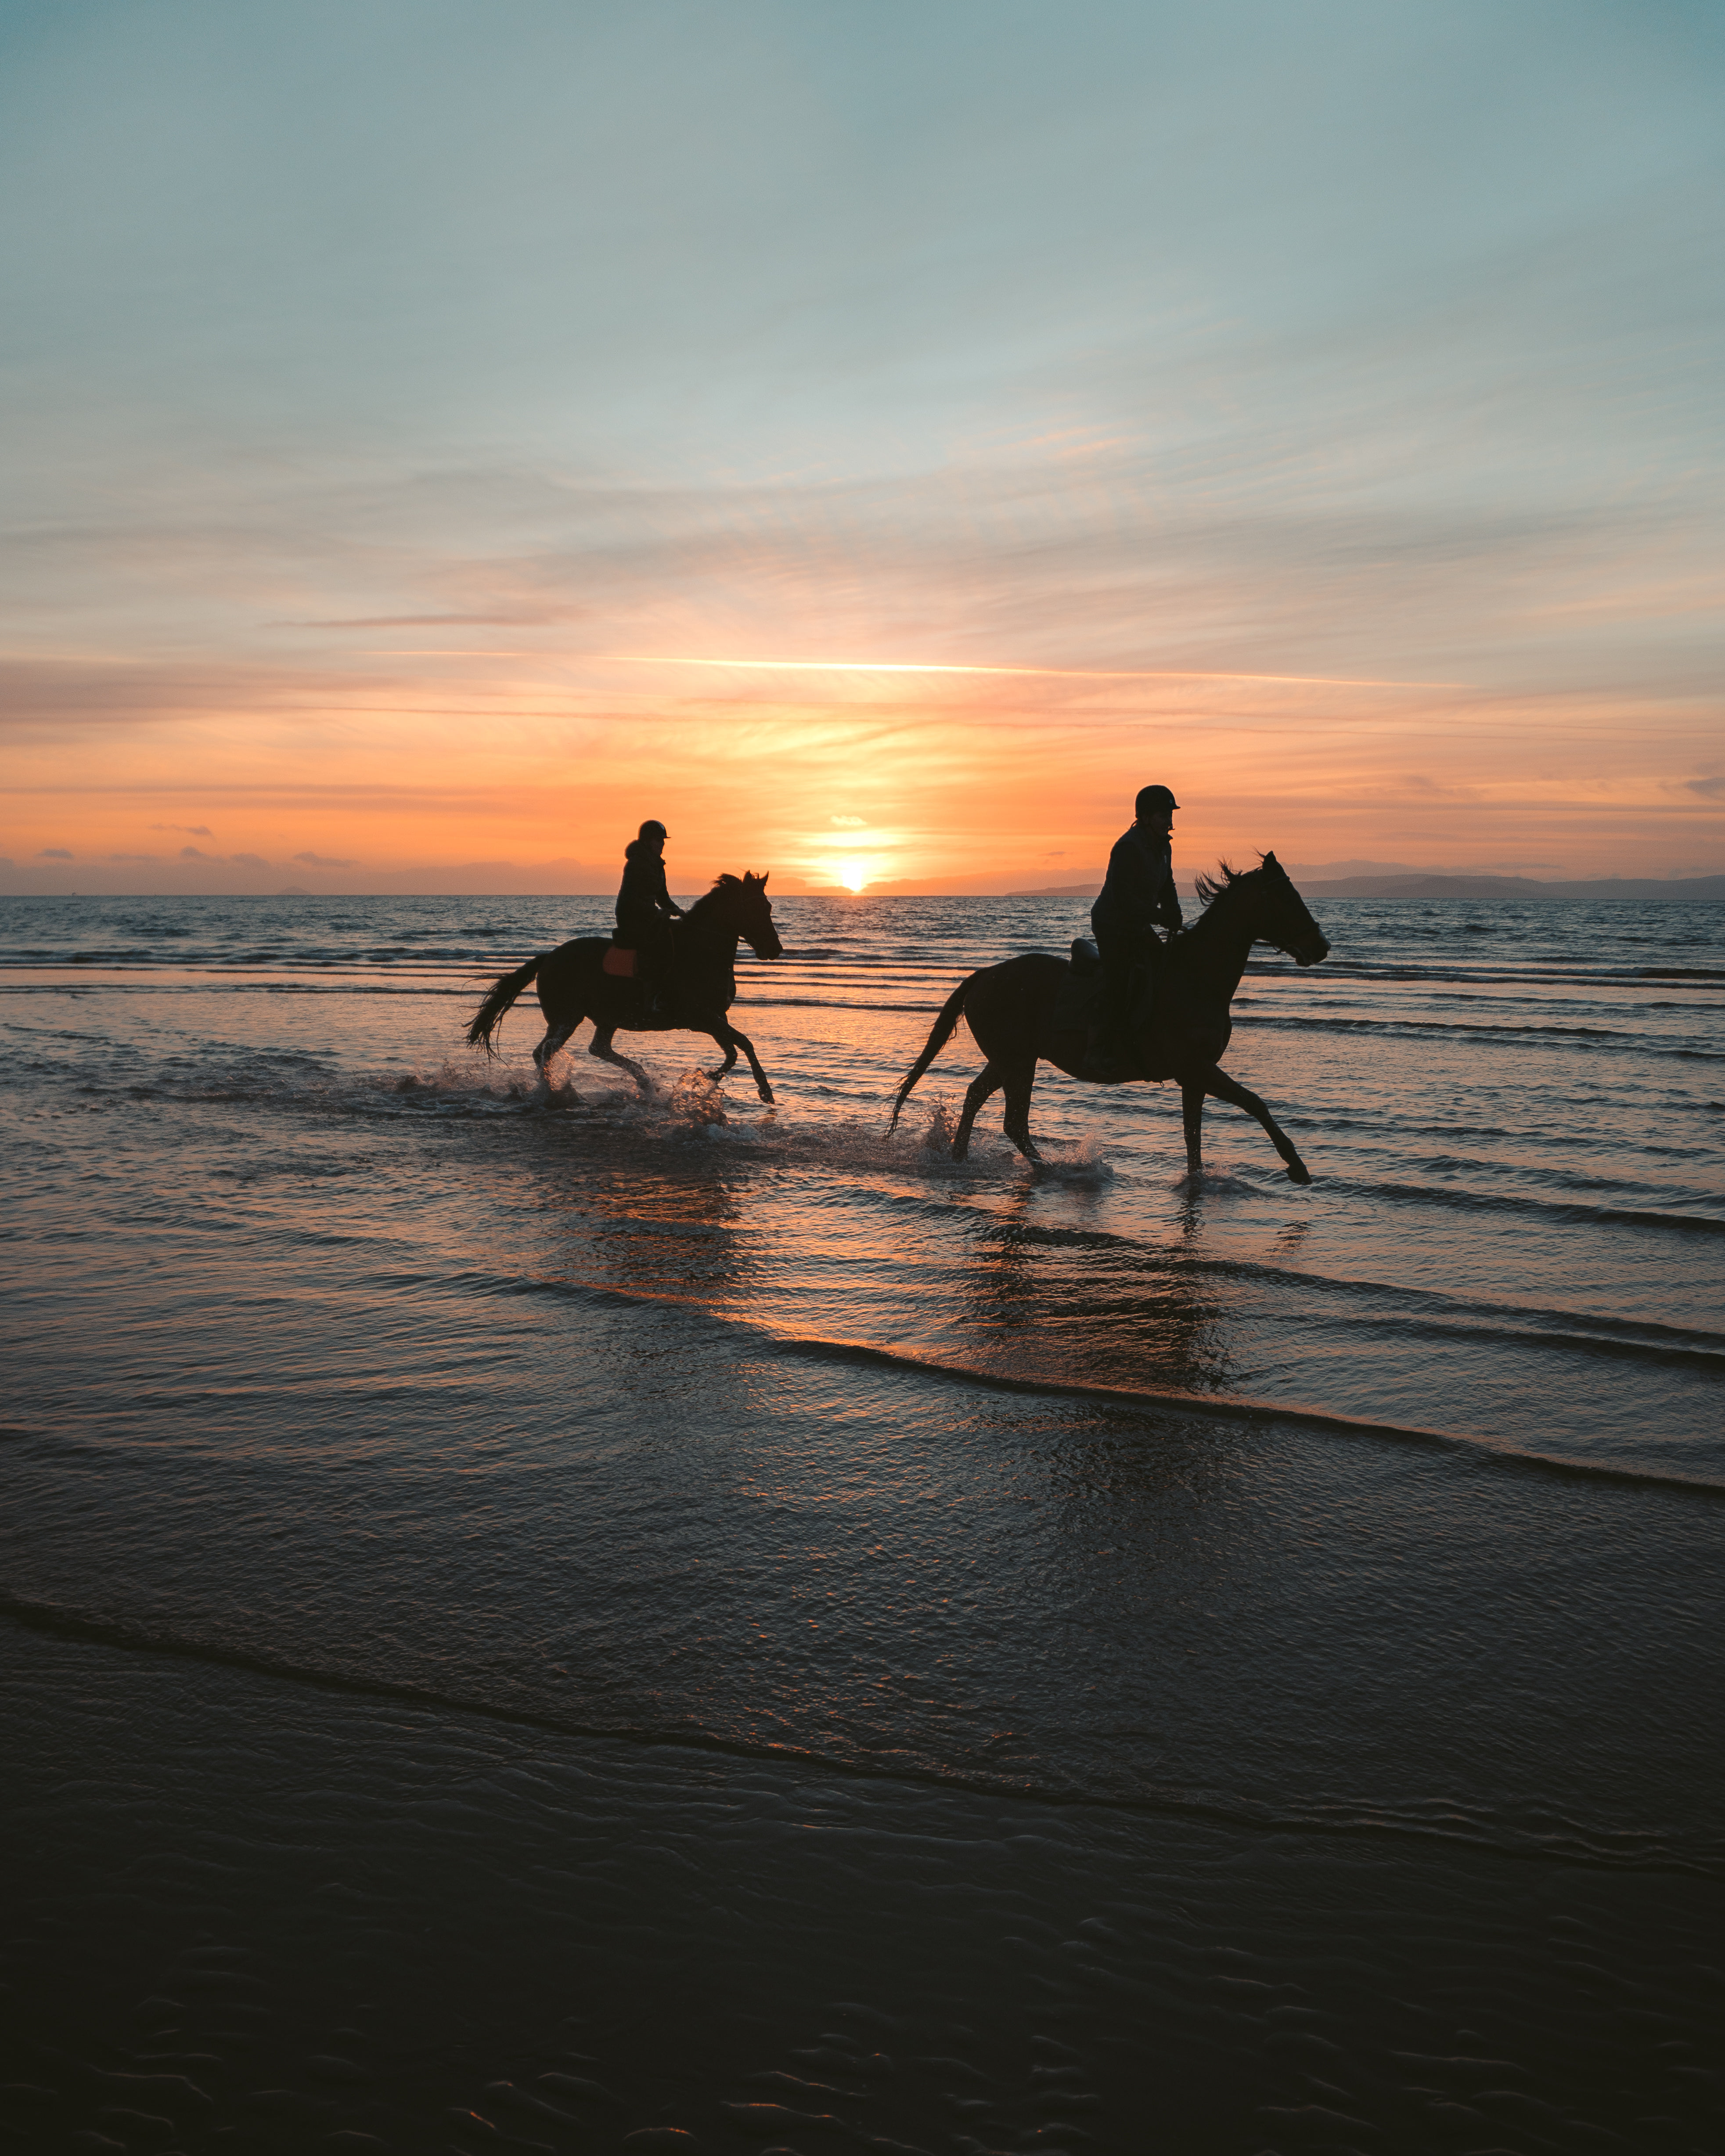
(541, 1617)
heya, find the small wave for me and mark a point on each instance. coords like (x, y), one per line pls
(1708, 1361)
(1491, 1201)
(1237, 1408)
(1395, 1027)
(1212, 1407)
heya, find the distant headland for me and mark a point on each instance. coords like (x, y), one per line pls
(1689, 891)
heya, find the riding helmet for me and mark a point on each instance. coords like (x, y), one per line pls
(1152, 798)
(652, 828)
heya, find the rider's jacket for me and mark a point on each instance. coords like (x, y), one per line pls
(1139, 892)
(644, 899)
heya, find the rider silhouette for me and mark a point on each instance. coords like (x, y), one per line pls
(645, 911)
(1138, 895)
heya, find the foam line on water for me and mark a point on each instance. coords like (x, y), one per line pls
(1542, 1839)
(1223, 1407)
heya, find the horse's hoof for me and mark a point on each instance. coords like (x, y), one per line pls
(1298, 1172)
(766, 1093)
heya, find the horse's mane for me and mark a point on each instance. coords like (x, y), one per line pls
(1209, 888)
(728, 882)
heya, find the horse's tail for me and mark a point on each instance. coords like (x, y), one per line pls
(489, 1016)
(951, 1011)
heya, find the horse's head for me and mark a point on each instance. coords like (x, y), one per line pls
(1274, 911)
(1287, 923)
(748, 910)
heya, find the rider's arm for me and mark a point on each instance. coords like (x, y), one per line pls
(663, 900)
(1164, 891)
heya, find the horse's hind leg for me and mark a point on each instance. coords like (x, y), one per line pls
(1225, 1088)
(1018, 1110)
(990, 1081)
(600, 1045)
(556, 1034)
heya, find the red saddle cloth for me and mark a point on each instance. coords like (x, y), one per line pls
(620, 961)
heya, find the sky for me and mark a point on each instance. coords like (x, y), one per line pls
(874, 440)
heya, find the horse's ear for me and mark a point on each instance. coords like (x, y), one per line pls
(1270, 861)
(764, 873)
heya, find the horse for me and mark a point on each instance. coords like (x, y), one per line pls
(1034, 1006)
(702, 987)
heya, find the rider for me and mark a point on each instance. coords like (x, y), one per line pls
(1138, 895)
(645, 910)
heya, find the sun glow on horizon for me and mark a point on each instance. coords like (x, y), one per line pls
(905, 666)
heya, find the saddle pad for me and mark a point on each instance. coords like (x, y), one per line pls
(619, 961)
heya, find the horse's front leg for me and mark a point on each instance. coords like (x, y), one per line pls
(720, 1033)
(600, 1045)
(742, 1041)
(1225, 1088)
(1192, 1104)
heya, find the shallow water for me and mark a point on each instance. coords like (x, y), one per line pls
(773, 1568)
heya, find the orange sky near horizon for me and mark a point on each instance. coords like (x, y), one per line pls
(938, 780)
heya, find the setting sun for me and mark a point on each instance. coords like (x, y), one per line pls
(855, 876)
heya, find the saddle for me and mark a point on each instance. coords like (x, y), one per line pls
(622, 959)
(1077, 1007)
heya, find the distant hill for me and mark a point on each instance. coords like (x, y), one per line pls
(1414, 883)
(1638, 890)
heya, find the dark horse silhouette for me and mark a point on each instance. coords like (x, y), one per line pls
(702, 987)
(1034, 1006)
